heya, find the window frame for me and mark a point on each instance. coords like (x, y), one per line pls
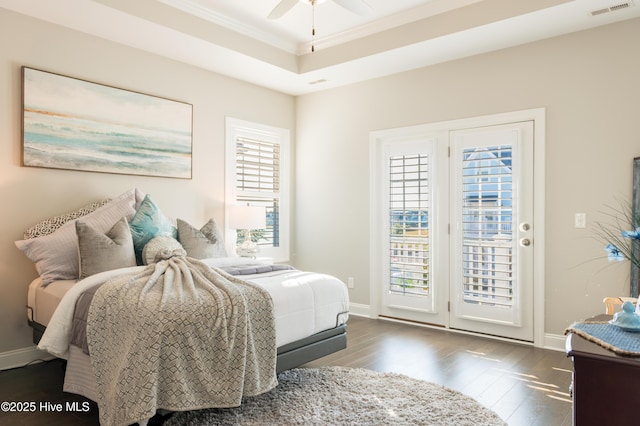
(235, 129)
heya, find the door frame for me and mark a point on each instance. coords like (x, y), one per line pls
(376, 141)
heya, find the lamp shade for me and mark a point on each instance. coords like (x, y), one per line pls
(247, 217)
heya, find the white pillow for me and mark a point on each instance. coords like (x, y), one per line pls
(56, 255)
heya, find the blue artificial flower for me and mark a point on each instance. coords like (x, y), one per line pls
(634, 235)
(614, 253)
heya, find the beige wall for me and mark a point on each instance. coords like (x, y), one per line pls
(30, 194)
(587, 82)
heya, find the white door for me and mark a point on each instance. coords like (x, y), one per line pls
(455, 208)
(415, 274)
(491, 278)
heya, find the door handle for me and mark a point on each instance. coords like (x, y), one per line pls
(525, 242)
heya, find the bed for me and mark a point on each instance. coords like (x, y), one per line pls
(311, 333)
(310, 310)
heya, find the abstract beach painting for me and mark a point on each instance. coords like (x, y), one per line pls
(74, 124)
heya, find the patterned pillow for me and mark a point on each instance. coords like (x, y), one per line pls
(49, 226)
(99, 251)
(160, 244)
(204, 243)
(56, 255)
(149, 222)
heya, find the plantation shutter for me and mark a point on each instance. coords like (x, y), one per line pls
(258, 174)
(487, 220)
(409, 224)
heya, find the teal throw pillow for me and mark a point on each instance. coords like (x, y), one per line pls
(149, 222)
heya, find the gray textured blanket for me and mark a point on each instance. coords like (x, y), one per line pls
(81, 312)
(179, 336)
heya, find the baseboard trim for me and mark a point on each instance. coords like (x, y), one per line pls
(22, 357)
(555, 342)
(360, 310)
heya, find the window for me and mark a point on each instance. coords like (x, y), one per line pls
(487, 217)
(409, 230)
(257, 174)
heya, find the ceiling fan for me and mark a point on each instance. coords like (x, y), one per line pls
(359, 7)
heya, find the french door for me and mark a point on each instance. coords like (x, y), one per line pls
(491, 285)
(456, 209)
(411, 235)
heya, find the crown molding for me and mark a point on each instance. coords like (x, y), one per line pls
(194, 8)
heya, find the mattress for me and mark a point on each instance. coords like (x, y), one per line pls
(43, 301)
(304, 303)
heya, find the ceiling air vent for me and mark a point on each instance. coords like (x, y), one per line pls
(612, 8)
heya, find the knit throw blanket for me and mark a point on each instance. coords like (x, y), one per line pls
(179, 336)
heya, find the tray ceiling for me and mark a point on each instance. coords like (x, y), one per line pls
(235, 38)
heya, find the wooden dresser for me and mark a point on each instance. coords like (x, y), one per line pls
(606, 386)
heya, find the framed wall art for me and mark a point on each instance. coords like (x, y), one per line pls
(75, 124)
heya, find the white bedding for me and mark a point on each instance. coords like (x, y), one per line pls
(305, 303)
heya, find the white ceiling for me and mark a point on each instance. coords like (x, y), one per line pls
(234, 37)
(333, 23)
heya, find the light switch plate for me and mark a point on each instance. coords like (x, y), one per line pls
(580, 220)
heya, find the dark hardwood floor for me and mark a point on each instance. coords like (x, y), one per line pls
(524, 385)
(41, 383)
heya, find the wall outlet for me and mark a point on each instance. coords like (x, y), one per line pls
(350, 282)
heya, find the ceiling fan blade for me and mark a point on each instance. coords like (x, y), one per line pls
(359, 7)
(283, 7)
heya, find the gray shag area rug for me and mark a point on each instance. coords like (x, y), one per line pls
(347, 396)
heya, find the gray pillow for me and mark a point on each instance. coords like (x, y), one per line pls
(99, 252)
(204, 243)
